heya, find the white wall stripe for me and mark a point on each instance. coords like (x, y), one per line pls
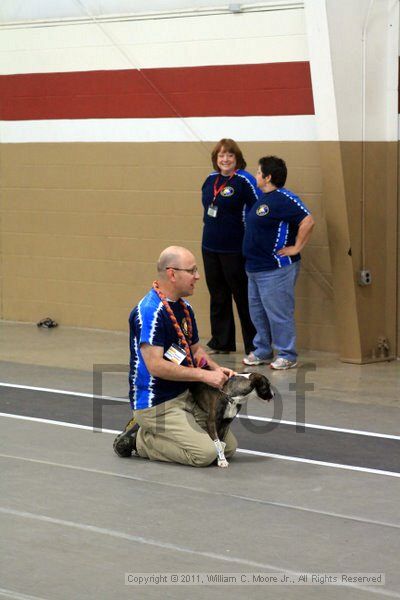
(252, 129)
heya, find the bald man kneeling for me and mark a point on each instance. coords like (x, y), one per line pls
(166, 357)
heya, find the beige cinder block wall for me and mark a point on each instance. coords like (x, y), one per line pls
(373, 231)
(83, 224)
(362, 235)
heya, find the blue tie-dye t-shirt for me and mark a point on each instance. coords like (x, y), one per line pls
(150, 323)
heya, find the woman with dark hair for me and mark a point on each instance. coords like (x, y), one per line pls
(278, 227)
(227, 194)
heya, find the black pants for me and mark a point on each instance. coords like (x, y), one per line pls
(226, 277)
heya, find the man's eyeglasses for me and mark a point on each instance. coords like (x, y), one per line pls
(192, 271)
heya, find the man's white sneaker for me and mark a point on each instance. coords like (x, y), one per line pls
(281, 364)
(253, 361)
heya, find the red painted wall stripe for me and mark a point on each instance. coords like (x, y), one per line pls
(229, 90)
(398, 89)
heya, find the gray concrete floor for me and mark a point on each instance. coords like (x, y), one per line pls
(75, 518)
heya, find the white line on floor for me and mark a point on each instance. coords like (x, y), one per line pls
(168, 546)
(251, 417)
(253, 452)
(60, 423)
(320, 463)
(11, 595)
(324, 427)
(61, 392)
(197, 490)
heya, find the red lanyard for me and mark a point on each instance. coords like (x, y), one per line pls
(219, 189)
(175, 323)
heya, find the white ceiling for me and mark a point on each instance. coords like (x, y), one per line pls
(31, 10)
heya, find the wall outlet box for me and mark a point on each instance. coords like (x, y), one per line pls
(364, 277)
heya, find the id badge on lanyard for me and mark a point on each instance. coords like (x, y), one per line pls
(175, 354)
(212, 210)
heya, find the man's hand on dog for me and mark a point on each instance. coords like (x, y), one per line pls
(212, 373)
(228, 372)
(217, 377)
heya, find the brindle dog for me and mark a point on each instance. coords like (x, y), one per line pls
(223, 405)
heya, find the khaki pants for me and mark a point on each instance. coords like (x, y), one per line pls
(174, 431)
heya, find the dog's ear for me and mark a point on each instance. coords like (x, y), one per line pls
(261, 385)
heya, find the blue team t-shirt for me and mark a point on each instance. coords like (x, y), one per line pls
(271, 224)
(224, 233)
(149, 323)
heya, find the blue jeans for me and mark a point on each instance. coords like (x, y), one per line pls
(271, 304)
